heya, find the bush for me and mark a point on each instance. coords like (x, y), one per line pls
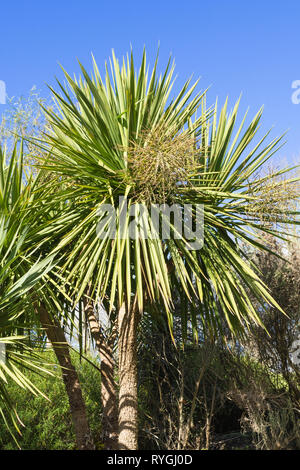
(48, 424)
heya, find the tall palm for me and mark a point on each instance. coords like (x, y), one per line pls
(121, 136)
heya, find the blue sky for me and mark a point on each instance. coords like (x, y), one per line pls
(235, 46)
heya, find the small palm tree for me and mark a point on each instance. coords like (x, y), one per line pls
(27, 302)
(18, 276)
(119, 140)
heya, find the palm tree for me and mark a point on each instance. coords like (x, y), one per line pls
(31, 303)
(120, 141)
(15, 284)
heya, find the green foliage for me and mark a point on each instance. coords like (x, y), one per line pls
(99, 131)
(100, 135)
(18, 274)
(48, 424)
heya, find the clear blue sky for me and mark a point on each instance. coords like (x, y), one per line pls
(235, 46)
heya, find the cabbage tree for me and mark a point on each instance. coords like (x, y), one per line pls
(122, 144)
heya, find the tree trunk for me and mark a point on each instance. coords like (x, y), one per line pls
(109, 396)
(128, 393)
(57, 338)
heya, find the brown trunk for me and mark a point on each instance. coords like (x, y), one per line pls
(57, 338)
(128, 393)
(108, 387)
